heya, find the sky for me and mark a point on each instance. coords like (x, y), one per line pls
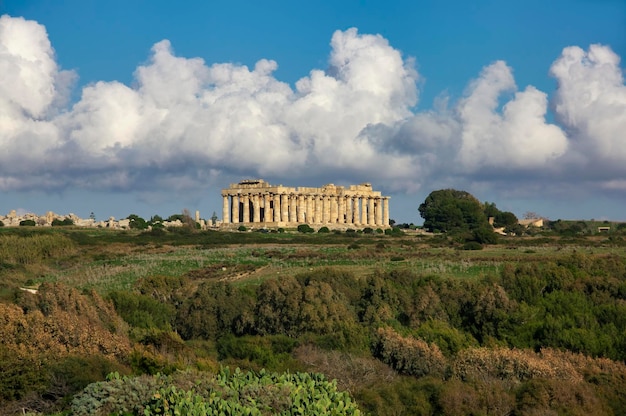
(152, 107)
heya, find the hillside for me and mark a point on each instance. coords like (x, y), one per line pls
(404, 324)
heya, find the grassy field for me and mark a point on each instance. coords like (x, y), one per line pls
(106, 260)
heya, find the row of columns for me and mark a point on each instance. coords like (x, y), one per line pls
(305, 209)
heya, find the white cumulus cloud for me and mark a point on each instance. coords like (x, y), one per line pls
(591, 102)
(183, 120)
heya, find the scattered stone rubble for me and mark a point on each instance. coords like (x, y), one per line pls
(12, 219)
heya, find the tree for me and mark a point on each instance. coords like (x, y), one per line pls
(505, 219)
(136, 222)
(450, 210)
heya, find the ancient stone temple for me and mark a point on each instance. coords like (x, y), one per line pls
(257, 203)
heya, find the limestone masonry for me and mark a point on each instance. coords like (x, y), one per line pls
(257, 203)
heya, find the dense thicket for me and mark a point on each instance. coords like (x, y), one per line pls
(578, 304)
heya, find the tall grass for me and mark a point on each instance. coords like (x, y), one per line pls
(35, 248)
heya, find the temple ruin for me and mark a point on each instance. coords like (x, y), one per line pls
(256, 203)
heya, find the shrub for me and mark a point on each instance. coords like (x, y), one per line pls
(485, 235)
(158, 230)
(395, 231)
(408, 355)
(305, 228)
(472, 245)
(143, 311)
(228, 392)
(27, 223)
(323, 230)
(57, 222)
(368, 230)
(242, 228)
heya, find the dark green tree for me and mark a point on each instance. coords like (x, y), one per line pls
(136, 222)
(450, 210)
(505, 219)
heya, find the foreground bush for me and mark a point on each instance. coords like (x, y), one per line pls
(232, 393)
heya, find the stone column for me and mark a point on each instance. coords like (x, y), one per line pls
(341, 209)
(246, 208)
(317, 210)
(284, 207)
(348, 209)
(235, 209)
(386, 210)
(256, 201)
(355, 211)
(292, 208)
(326, 209)
(309, 209)
(301, 209)
(267, 212)
(333, 209)
(370, 212)
(379, 211)
(277, 208)
(364, 210)
(225, 210)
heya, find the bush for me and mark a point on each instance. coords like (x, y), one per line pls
(395, 231)
(323, 230)
(409, 355)
(472, 245)
(27, 223)
(242, 228)
(368, 230)
(60, 223)
(305, 228)
(485, 235)
(228, 392)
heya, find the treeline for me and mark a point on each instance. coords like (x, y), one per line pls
(577, 304)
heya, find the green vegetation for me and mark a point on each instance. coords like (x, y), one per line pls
(305, 228)
(64, 222)
(407, 324)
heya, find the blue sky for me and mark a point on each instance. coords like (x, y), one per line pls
(152, 107)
